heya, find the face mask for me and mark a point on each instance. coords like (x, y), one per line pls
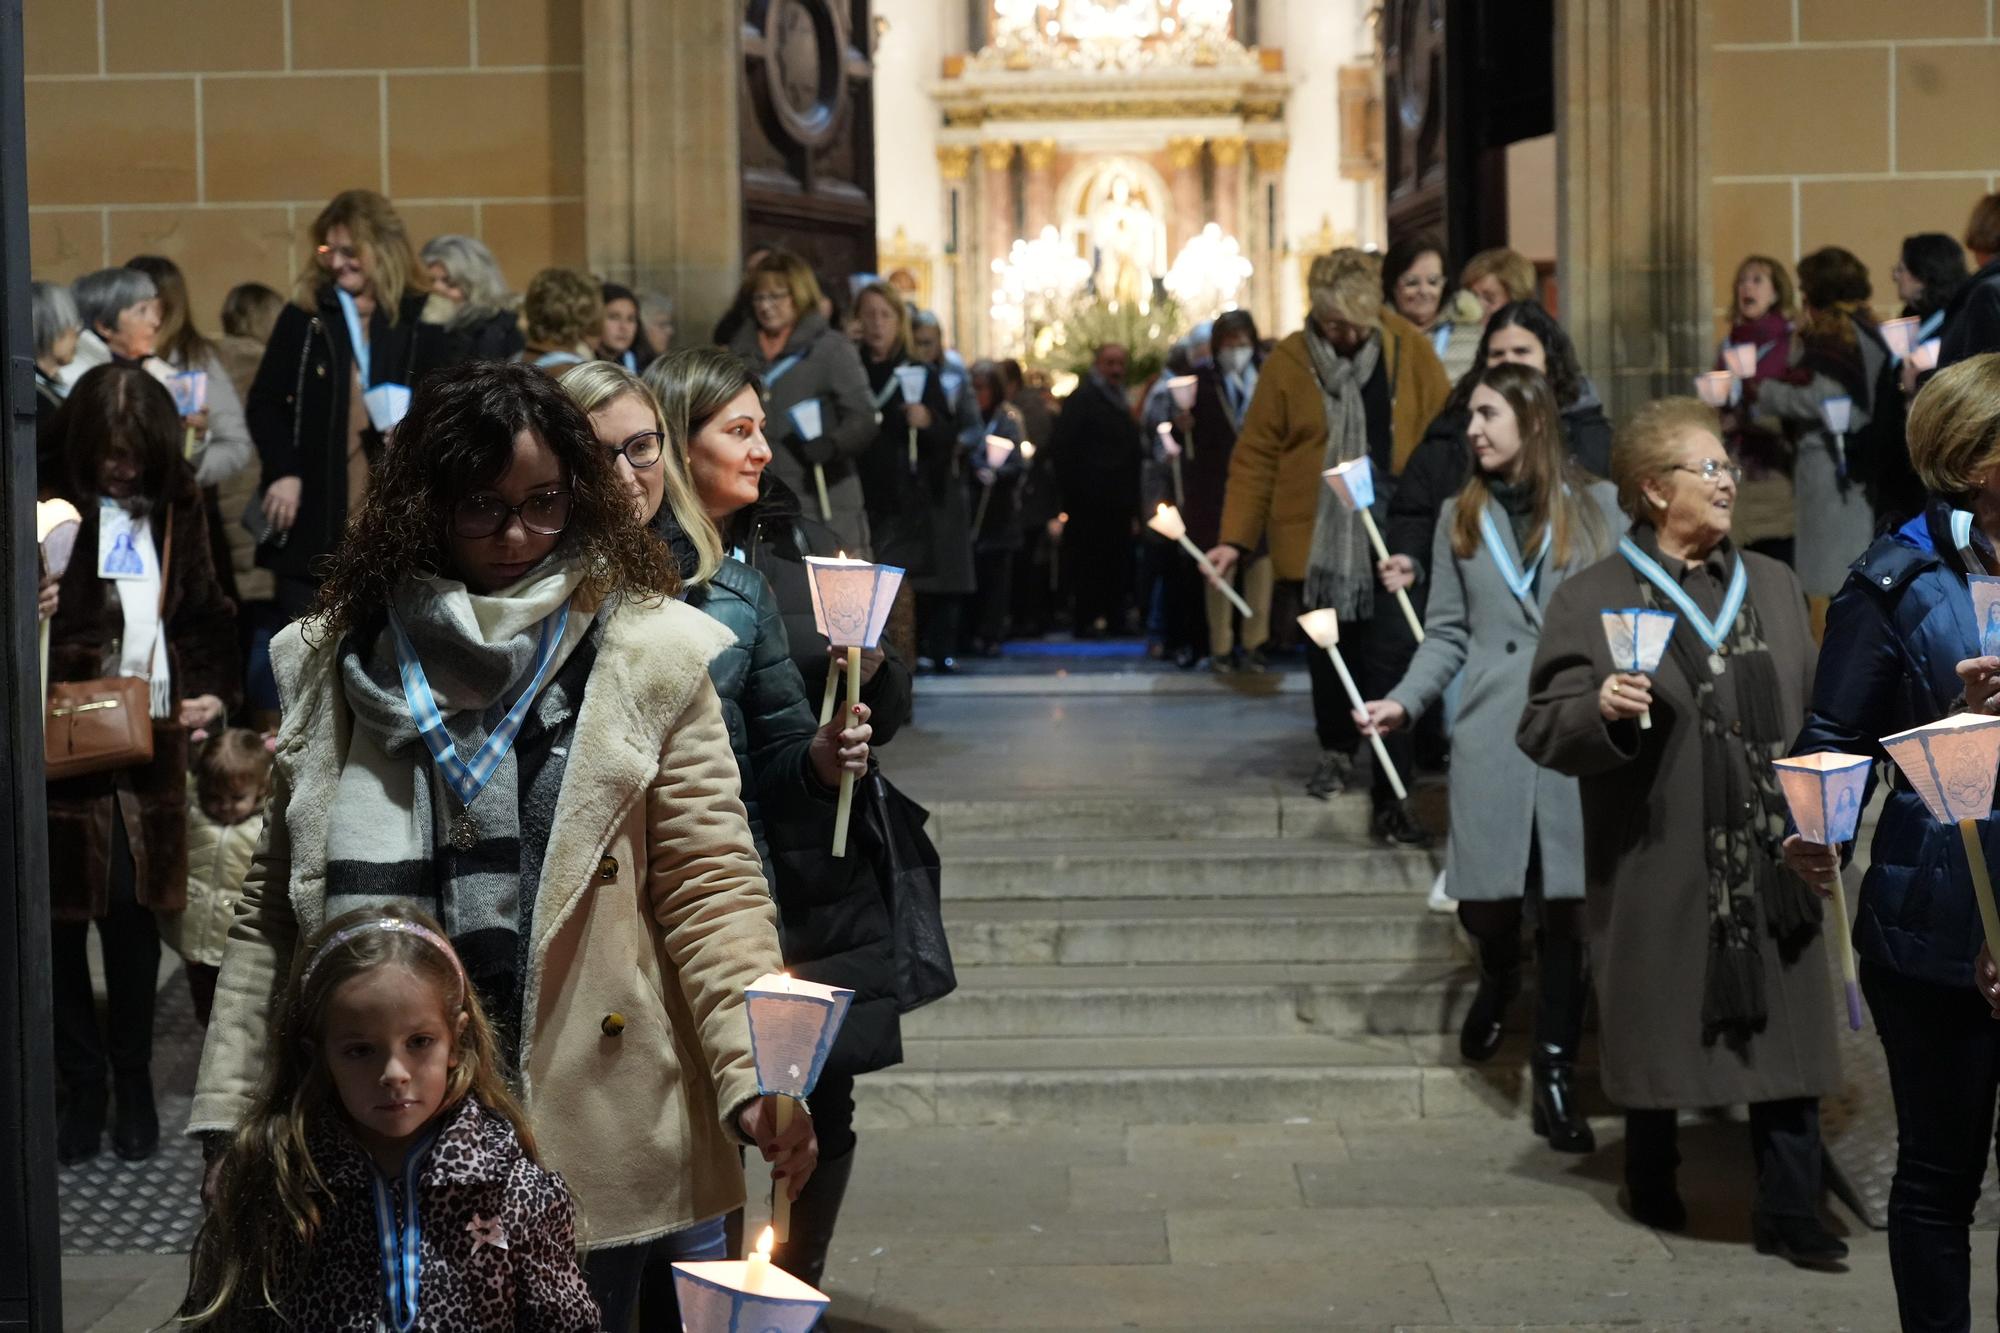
(1233, 359)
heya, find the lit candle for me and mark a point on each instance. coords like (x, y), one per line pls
(757, 1270)
(1166, 521)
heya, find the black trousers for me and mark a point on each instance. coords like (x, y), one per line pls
(131, 940)
(993, 569)
(1943, 1051)
(1178, 585)
(1495, 927)
(1097, 567)
(1377, 652)
(939, 618)
(1784, 1142)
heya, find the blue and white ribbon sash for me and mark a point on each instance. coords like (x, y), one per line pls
(1715, 632)
(1519, 581)
(468, 780)
(780, 367)
(401, 1246)
(357, 335)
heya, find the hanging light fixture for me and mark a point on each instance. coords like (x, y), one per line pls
(1208, 274)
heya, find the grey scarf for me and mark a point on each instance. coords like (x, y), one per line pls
(1340, 571)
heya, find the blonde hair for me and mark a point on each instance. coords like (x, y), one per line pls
(1563, 507)
(380, 240)
(562, 309)
(1348, 285)
(1648, 446)
(1954, 426)
(793, 273)
(897, 304)
(270, 1194)
(596, 385)
(1514, 271)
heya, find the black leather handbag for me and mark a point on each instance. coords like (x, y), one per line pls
(907, 867)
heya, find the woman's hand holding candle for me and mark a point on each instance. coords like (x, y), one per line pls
(917, 416)
(836, 749)
(792, 1150)
(1379, 717)
(1982, 683)
(1625, 695)
(1818, 865)
(1224, 558)
(1397, 573)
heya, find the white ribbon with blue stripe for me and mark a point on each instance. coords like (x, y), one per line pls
(357, 335)
(468, 780)
(1715, 632)
(1520, 582)
(780, 367)
(401, 1245)
(1961, 537)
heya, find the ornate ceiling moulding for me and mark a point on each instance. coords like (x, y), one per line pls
(962, 112)
(1099, 35)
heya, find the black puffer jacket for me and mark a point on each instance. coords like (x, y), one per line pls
(833, 917)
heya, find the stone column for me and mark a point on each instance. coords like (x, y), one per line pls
(1227, 154)
(1266, 243)
(1040, 202)
(996, 210)
(1632, 136)
(1184, 184)
(663, 179)
(956, 301)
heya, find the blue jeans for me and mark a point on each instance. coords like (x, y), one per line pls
(615, 1272)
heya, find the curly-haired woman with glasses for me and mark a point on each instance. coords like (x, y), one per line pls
(498, 711)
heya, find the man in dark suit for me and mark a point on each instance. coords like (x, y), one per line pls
(1098, 448)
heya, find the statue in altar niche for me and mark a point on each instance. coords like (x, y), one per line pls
(1128, 240)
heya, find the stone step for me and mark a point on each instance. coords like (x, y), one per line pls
(1170, 814)
(1210, 1000)
(1154, 868)
(1332, 929)
(1191, 1080)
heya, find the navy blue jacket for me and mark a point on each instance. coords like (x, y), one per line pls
(1894, 637)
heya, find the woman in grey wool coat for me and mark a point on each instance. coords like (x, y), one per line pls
(1526, 518)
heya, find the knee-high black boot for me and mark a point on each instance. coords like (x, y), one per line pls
(1558, 1032)
(814, 1213)
(1499, 982)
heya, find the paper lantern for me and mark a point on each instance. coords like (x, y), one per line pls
(1824, 793)
(1985, 591)
(1353, 482)
(56, 526)
(1638, 638)
(998, 450)
(1741, 358)
(910, 379)
(1182, 387)
(1167, 521)
(851, 599)
(1950, 764)
(1027, 451)
(807, 418)
(1169, 446)
(1900, 335)
(190, 390)
(792, 1026)
(1321, 626)
(1838, 413)
(1714, 387)
(1924, 356)
(721, 1296)
(951, 381)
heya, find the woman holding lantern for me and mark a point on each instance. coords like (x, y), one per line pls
(1527, 519)
(1707, 952)
(1902, 650)
(594, 871)
(1762, 308)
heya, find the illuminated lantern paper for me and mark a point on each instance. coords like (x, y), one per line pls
(1167, 521)
(910, 379)
(998, 450)
(808, 418)
(1838, 413)
(387, 405)
(1182, 387)
(1950, 764)
(1638, 639)
(1741, 358)
(1924, 356)
(745, 1296)
(57, 524)
(1714, 387)
(1824, 793)
(1354, 483)
(1985, 591)
(1900, 335)
(792, 1027)
(851, 601)
(1323, 628)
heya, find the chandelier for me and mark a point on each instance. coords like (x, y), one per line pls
(1208, 273)
(1031, 284)
(1112, 34)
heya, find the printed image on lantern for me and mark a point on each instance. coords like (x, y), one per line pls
(1925, 354)
(850, 601)
(1323, 628)
(1838, 413)
(998, 450)
(792, 1027)
(1741, 358)
(1950, 764)
(1715, 387)
(1182, 388)
(1638, 638)
(1171, 447)
(1354, 483)
(56, 526)
(910, 379)
(1985, 590)
(745, 1295)
(1900, 335)
(190, 391)
(808, 419)
(1824, 793)
(1167, 521)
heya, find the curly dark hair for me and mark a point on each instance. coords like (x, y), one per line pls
(459, 436)
(1565, 372)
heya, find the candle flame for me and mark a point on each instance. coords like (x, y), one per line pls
(843, 555)
(1164, 508)
(1062, 518)
(766, 1241)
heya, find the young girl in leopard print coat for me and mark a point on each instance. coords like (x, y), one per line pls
(386, 1179)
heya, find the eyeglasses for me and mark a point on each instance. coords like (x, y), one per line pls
(546, 514)
(642, 450)
(1712, 471)
(328, 253)
(770, 298)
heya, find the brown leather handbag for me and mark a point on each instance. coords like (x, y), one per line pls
(97, 725)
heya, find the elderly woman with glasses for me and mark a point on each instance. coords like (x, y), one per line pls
(1708, 952)
(119, 309)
